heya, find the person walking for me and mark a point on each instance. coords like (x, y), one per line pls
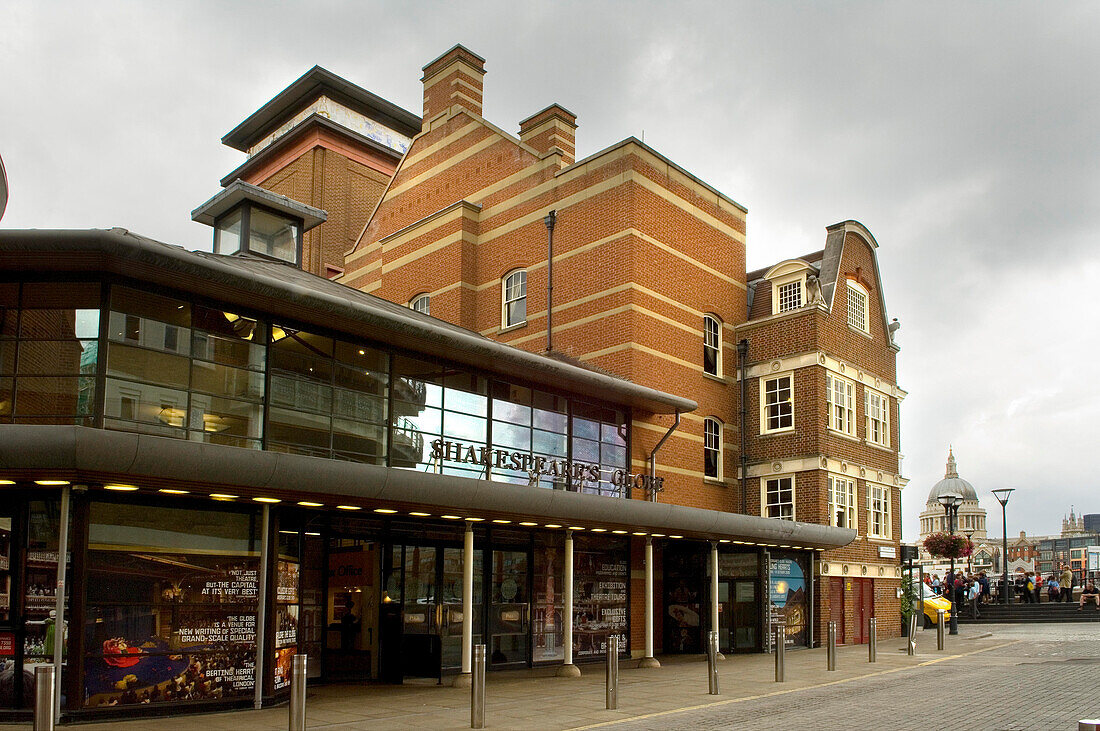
(1028, 592)
(1066, 583)
(1038, 587)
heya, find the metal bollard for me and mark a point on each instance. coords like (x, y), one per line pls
(912, 646)
(872, 641)
(298, 676)
(477, 689)
(939, 630)
(780, 652)
(712, 662)
(44, 713)
(830, 650)
(612, 672)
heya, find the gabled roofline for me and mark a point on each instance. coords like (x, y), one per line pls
(835, 245)
(662, 158)
(303, 90)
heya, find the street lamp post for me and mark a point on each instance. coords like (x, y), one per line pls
(969, 539)
(951, 502)
(1002, 495)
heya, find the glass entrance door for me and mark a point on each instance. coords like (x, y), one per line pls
(508, 608)
(421, 619)
(744, 615)
(451, 598)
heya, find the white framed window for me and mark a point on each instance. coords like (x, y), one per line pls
(712, 449)
(857, 306)
(421, 303)
(514, 294)
(842, 502)
(788, 296)
(778, 498)
(788, 281)
(876, 406)
(878, 510)
(777, 403)
(840, 394)
(712, 345)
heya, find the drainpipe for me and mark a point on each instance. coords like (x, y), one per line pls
(653, 459)
(550, 220)
(742, 357)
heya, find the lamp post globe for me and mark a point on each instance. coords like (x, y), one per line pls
(1003, 494)
(951, 502)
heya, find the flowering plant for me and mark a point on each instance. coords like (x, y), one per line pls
(947, 545)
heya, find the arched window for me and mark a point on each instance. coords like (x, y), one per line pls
(421, 303)
(514, 298)
(712, 449)
(712, 345)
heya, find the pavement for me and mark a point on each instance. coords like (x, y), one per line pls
(1004, 677)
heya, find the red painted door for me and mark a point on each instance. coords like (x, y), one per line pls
(864, 600)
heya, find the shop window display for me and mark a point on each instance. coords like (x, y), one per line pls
(171, 605)
(601, 569)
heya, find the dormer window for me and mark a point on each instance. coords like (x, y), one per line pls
(788, 281)
(248, 219)
(789, 295)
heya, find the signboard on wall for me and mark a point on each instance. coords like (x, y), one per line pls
(351, 568)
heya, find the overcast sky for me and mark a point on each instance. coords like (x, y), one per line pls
(965, 136)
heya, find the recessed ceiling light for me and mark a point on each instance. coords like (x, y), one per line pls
(171, 491)
(308, 504)
(599, 530)
(222, 496)
(289, 532)
(349, 507)
(501, 521)
(450, 517)
(552, 525)
(387, 511)
(575, 527)
(475, 520)
(528, 524)
(7, 482)
(51, 483)
(312, 534)
(267, 499)
(619, 532)
(639, 533)
(724, 540)
(120, 488)
(675, 536)
(419, 514)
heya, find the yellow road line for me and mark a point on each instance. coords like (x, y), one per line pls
(701, 706)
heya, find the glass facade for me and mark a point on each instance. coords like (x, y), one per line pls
(141, 361)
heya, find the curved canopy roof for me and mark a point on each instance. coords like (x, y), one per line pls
(84, 453)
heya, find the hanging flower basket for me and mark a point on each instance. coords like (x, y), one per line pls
(946, 545)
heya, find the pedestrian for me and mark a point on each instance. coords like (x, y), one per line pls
(1028, 592)
(1066, 582)
(983, 581)
(1038, 587)
(936, 583)
(1053, 589)
(974, 590)
(1089, 594)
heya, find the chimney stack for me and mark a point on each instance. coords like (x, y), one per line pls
(455, 78)
(553, 127)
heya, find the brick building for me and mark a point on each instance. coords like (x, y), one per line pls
(648, 282)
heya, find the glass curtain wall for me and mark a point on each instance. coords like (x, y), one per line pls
(183, 370)
(48, 352)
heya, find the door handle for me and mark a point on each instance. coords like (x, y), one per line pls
(438, 616)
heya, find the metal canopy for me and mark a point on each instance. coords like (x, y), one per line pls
(85, 453)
